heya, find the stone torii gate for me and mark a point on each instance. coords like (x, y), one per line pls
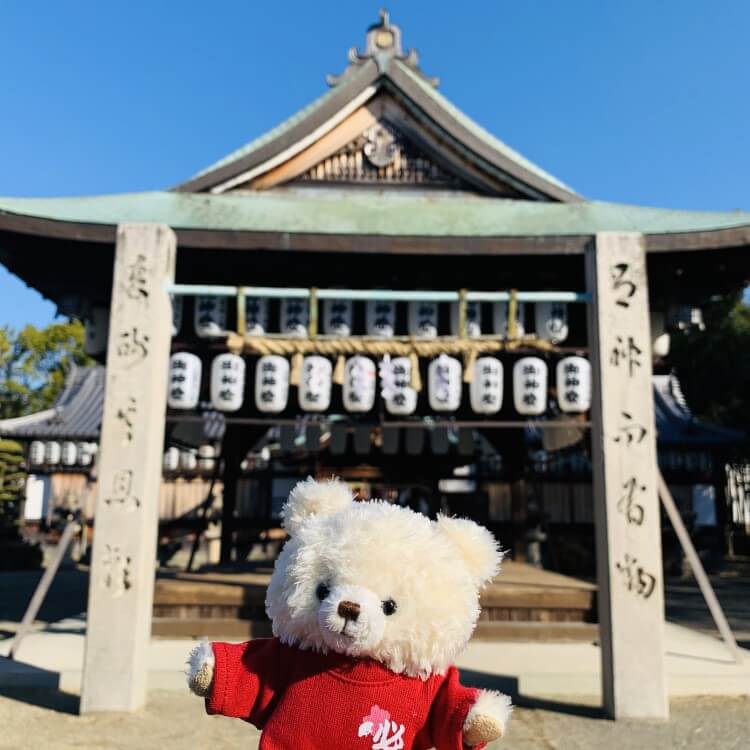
(631, 600)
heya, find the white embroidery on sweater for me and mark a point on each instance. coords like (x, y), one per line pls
(386, 734)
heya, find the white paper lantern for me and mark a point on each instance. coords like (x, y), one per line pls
(295, 316)
(395, 379)
(660, 339)
(210, 317)
(52, 452)
(256, 316)
(486, 390)
(227, 382)
(184, 381)
(272, 384)
(530, 386)
(36, 453)
(358, 390)
(423, 319)
(171, 459)
(574, 384)
(188, 460)
(444, 383)
(85, 456)
(380, 318)
(500, 318)
(93, 448)
(177, 306)
(96, 331)
(68, 453)
(315, 383)
(206, 458)
(337, 317)
(473, 319)
(551, 321)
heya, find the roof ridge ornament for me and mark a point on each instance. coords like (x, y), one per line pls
(382, 44)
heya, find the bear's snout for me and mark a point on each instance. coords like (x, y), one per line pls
(349, 610)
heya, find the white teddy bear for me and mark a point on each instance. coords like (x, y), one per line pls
(370, 604)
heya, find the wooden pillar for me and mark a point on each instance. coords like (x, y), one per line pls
(233, 456)
(626, 504)
(129, 465)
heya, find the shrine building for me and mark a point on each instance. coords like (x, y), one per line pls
(377, 289)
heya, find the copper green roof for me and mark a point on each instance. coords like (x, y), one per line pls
(366, 213)
(389, 69)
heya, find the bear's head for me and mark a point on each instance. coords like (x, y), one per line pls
(370, 579)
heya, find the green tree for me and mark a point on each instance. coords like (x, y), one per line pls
(714, 364)
(12, 480)
(34, 363)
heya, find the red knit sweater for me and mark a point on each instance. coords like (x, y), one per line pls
(303, 700)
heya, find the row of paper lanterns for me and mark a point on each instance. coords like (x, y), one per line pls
(67, 453)
(360, 381)
(210, 318)
(204, 459)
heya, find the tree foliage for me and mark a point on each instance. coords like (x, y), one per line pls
(713, 365)
(34, 363)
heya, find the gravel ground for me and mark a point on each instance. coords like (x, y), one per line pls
(176, 721)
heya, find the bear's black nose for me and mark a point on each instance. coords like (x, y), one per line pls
(349, 610)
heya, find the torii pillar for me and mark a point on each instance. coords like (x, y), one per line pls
(121, 586)
(626, 502)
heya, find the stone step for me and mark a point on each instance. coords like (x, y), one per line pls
(216, 628)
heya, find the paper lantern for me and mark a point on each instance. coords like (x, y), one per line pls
(171, 459)
(96, 331)
(184, 381)
(227, 382)
(85, 456)
(188, 461)
(210, 317)
(473, 319)
(423, 319)
(530, 386)
(574, 384)
(358, 389)
(380, 318)
(395, 381)
(486, 390)
(444, 383)
(68, 453)
(295, 316)
(660, 339)
(256, 316)
(500, 318)
(315, 383)
(337, 317)
(52, 452)
(206, 458)
(36, 453)
(551, 321)
(272, 384)
(177, 306)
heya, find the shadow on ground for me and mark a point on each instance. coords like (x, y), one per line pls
(509, 685)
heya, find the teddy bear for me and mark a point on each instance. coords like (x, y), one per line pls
(370, 604)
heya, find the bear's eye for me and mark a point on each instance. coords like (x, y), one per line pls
(389, 607)
(322, 591)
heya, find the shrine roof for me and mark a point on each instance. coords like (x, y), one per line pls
(384, 66)
(353, 213)
(76, 414)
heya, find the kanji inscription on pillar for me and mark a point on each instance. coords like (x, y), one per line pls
(129, 471)
(629, 562)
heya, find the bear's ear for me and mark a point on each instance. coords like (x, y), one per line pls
(311, 498)
(476, 545)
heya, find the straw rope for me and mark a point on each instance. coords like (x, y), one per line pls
(413, 348)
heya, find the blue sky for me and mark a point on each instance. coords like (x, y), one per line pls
(639, 102)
